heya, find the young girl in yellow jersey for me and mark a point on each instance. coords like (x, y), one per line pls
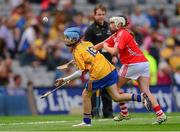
(102, 74)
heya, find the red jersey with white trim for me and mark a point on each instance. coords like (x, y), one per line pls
(128, 48)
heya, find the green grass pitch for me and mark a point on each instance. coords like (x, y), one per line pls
(139, 122)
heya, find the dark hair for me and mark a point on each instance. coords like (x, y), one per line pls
(17, 76)
(99, 6)
(126, 20)
(78, 13)
(126, 24)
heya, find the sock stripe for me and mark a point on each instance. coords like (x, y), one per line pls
(157, 109)
(121, 104)
(124, 113)
(87, 115)
(123, 108)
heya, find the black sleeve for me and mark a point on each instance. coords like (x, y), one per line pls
(88, 36)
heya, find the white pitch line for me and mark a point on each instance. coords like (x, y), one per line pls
(104, 120)
(32, 123)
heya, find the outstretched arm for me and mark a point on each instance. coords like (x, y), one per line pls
(71, 77)
(111, 50)
(98, 46)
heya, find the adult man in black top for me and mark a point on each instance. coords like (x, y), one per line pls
(96, 33)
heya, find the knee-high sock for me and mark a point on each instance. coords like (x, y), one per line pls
(123, 107)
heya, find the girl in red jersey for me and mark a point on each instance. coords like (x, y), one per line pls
(134, 64)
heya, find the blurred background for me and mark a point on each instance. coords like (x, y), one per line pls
(30, 51)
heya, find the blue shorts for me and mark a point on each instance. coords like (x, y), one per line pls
(110, 79)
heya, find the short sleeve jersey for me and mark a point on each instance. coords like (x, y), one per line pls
(88, 59)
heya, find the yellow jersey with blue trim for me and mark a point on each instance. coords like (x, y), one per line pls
(88, 59)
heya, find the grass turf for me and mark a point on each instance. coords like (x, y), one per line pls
(139, 122)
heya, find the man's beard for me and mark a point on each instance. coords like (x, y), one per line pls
(100, 22)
